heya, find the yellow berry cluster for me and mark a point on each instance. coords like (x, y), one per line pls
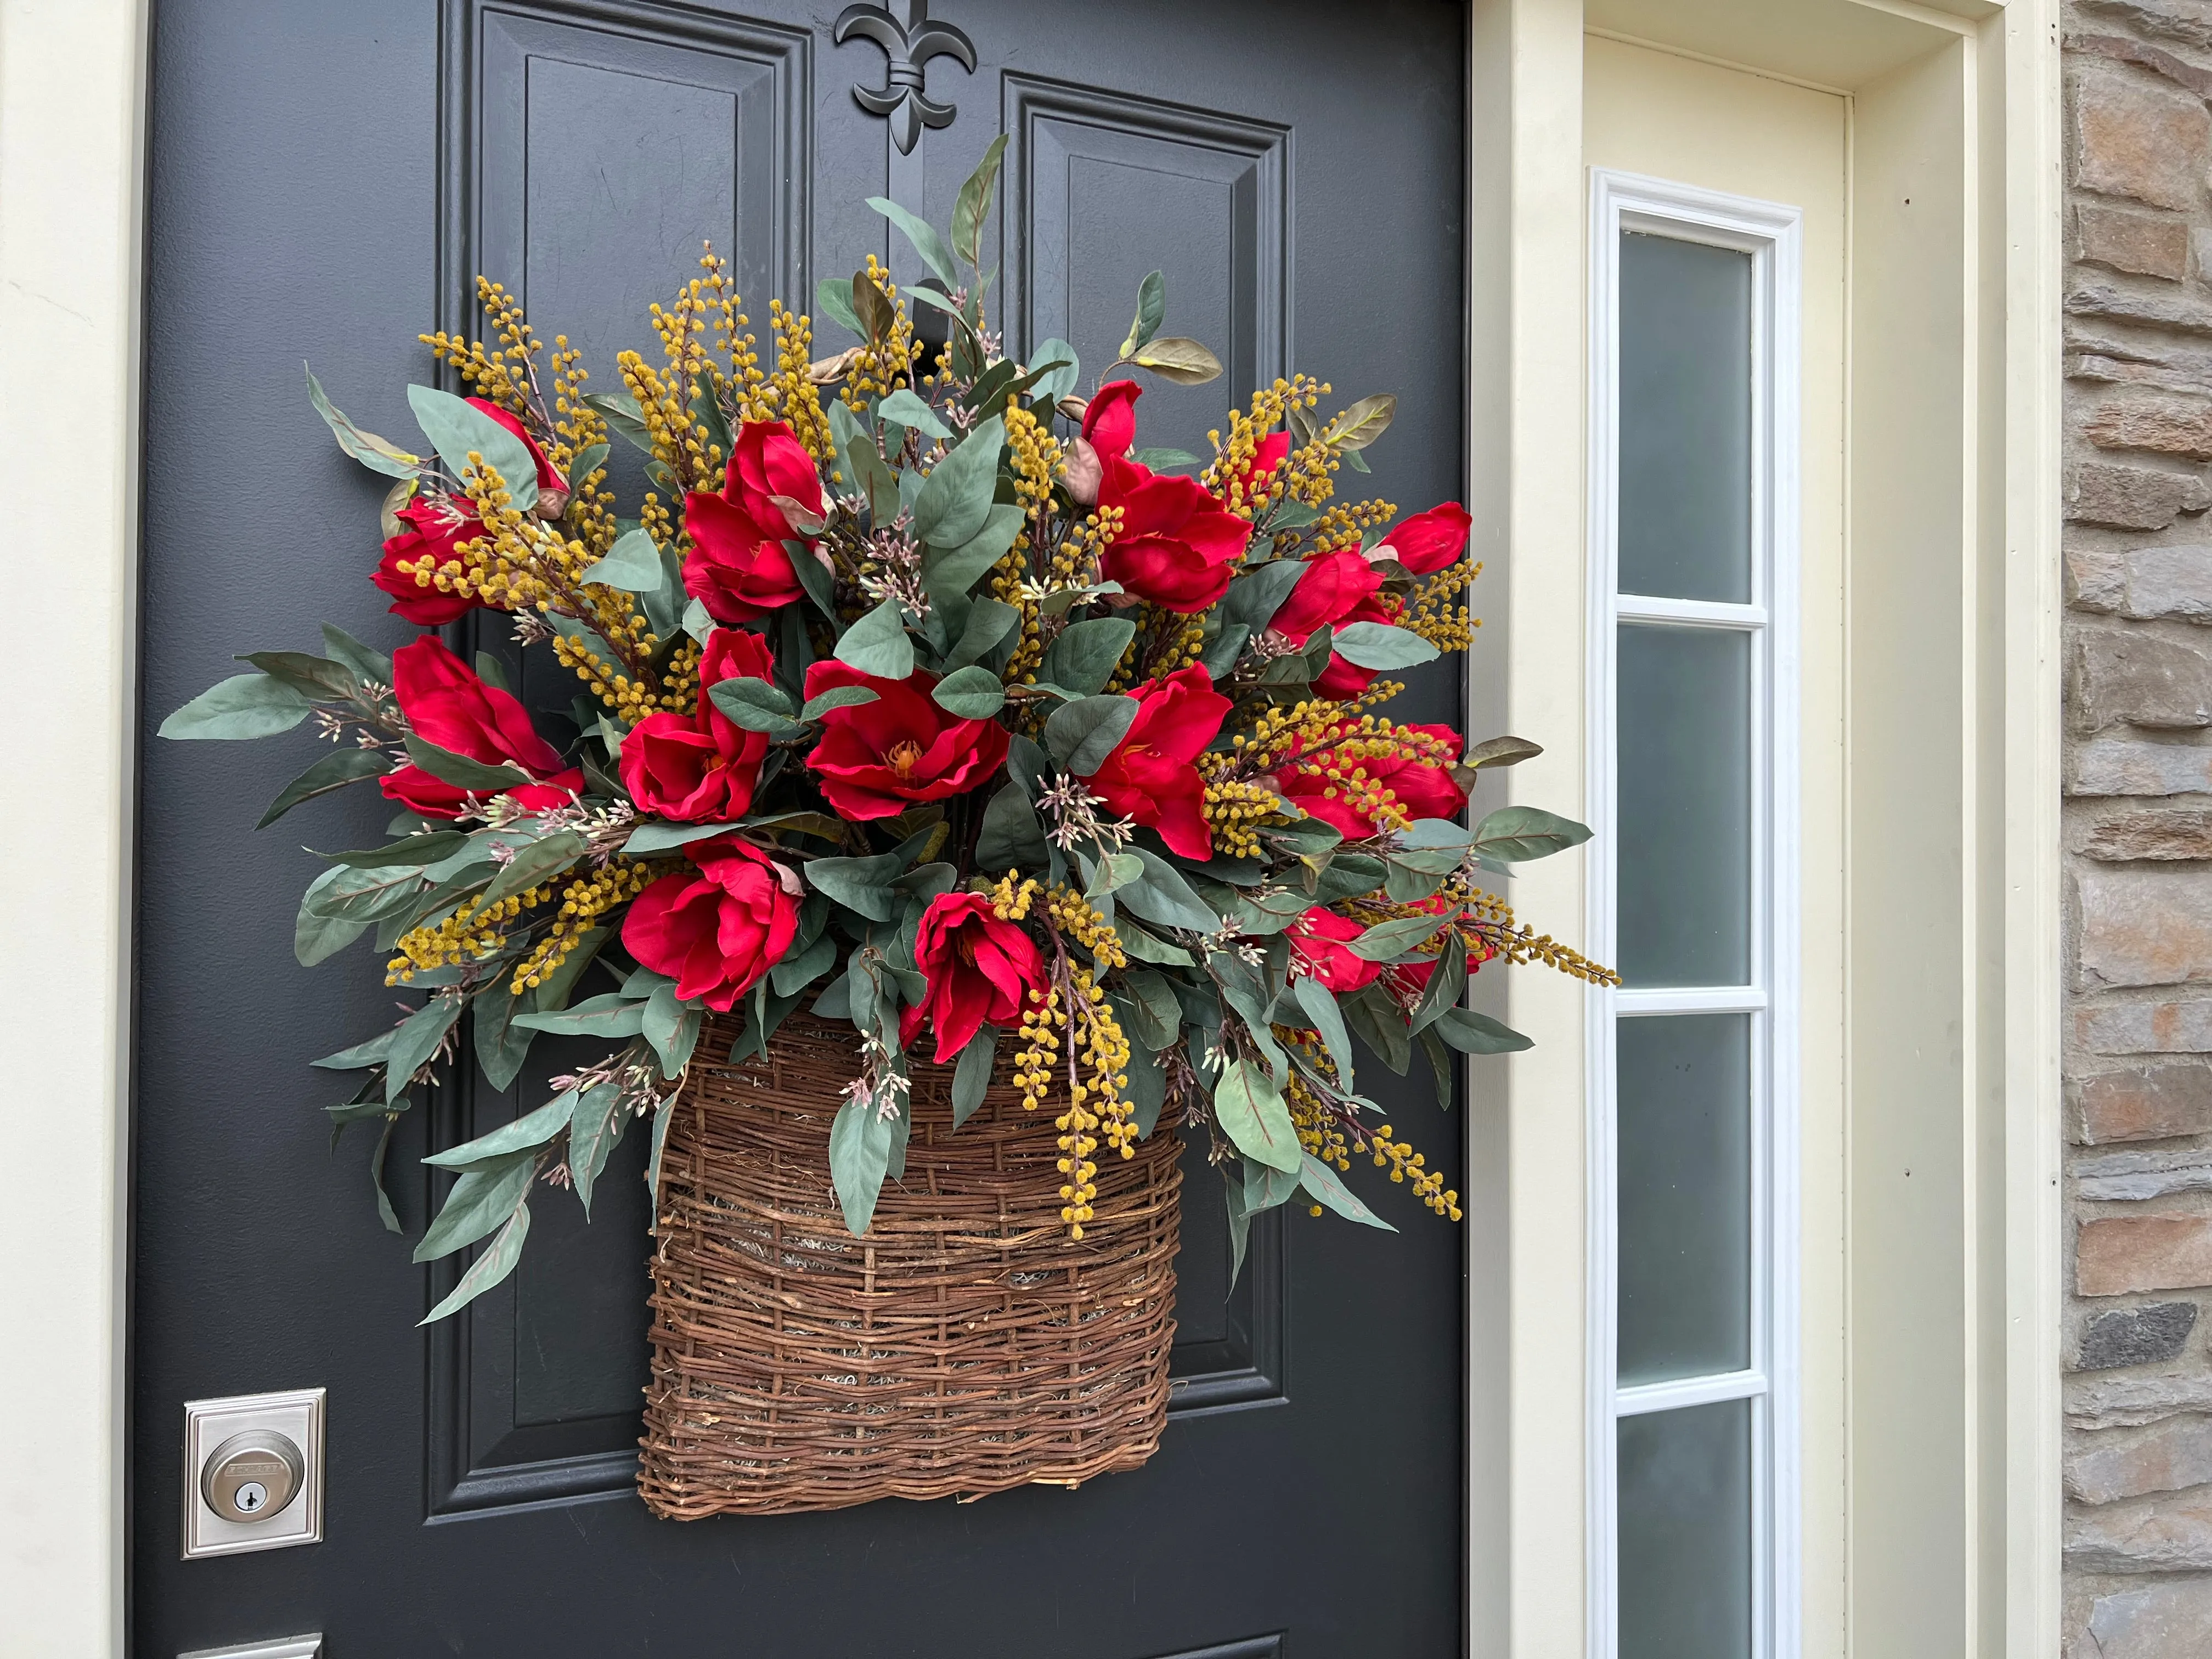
(470, 933)
(1073, 916)
(1229, 475)
(883, 365)
(790, 389)
(586, 898)
(1336, 761)
(1234, 809)
(1097, 1100)
(1039, 1045)
(1035, 459)
(632, 698)
(1404, 1163)
(1434, 612)
(1010, 897)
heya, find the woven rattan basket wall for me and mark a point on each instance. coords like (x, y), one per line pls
(965, 1345)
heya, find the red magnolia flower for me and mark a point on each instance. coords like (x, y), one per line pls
(875, 757)
(1319, 941)
(1337, 588)
(716, 929)
(1174, 541)
(436, 526)
(978, 967)
(738, 567)
(702, 769)
(1428, 541)
(446, 704)
(1149, 776)
(1341, 781)
(1110, 420)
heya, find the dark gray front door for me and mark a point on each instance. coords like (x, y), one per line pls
(326, 177)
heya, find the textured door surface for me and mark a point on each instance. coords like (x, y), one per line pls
(327, 176)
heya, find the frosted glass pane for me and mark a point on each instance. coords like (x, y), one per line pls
(1684, 1140)
(1684, 419)
(1685, 836)
(1686, 1533)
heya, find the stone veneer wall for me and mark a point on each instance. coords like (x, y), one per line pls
(2138, 827)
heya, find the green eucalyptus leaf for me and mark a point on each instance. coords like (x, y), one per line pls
(1081, 734)
(1324, 1015)
(461, 771)
(1163, 897)
(456, 427)
(1325, 1185)
(1012, 836)
(1478, 1034)
(378, 454)
(989, 621)
(860, 1157)
(600, 1117)
(971, 1078)
(1447, 985)
(1059, 383)
(956, 496)
(947, 573)
(1251, 1112)
(878, 644)
(1381, 646)
(537, 864)
(862, 885)
(972, 693)
(1361, 424)
(610, 1015)
(1084, 657)
(973, 203)
(632, 564)
(1501, 752)
(1151, 310)
(620, 410)
(1518, 834)
(834, 299)
(254, 705)
(837, 696)
(745, 702)
(501, 1046)
(1163, 460)
(666, 837)
(1173, 357)
(926, 242)
(366, 662)
(334, 771)
(489, 1268)
(903, 407)
(484, 1197)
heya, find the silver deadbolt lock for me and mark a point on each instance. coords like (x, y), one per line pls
(252, 1476)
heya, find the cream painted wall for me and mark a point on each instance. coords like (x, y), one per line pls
(71, 101)
(1696, 123)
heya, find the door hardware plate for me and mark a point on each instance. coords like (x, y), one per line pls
(212, 1425)
(285, 1647)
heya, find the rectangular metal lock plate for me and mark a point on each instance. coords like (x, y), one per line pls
(286, 1647)
(216, 1431)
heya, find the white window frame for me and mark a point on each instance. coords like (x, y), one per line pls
(1771, 233)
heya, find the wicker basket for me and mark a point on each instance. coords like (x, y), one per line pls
(965, 1345)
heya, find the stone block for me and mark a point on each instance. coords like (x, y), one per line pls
(2130, 1176)
(2164, 426)
(2144, 583)
(2161, 309)
(2172, 1621)
(2104, 1402)
(2189, 22)
(2148, 1335)
(2120, 1463)
(2167, 1533)
(2133, 137)
(2144, 927)
(2117, 766)
(2121, 239)
(2115, 1255)
(2133, 497)
(2152, 832)
(2164, 1025)
(2145, 1102)
(2142, 679)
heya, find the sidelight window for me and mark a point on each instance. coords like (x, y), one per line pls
(1692, 515)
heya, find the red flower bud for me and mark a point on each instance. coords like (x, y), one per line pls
(978, 967)
(716, 929)
(1427, 542)
(1422, 784)
(1149, 776)
(447, 705)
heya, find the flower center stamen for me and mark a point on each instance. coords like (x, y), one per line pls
(902, 758)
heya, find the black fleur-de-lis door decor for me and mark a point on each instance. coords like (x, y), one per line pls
(908, 45)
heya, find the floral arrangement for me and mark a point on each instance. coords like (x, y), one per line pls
(918, 695)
